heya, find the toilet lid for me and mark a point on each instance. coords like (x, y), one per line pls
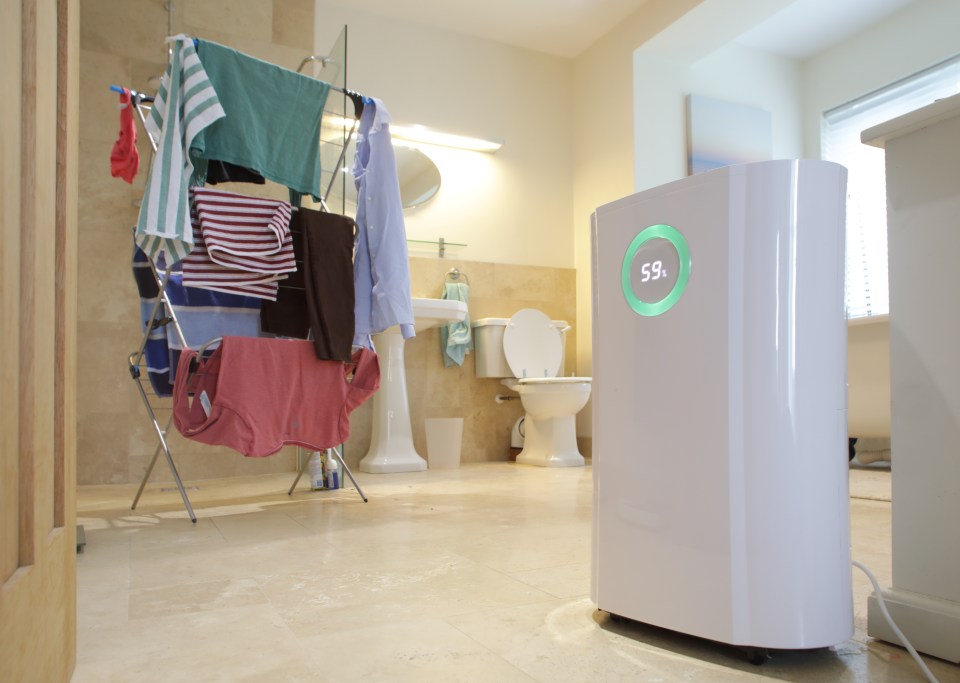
(532, 345)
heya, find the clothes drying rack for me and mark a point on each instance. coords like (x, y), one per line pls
(163, 314)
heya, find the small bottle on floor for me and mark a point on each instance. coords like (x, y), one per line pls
(316, 471)
(333, 472)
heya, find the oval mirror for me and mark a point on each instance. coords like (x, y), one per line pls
(419, 178)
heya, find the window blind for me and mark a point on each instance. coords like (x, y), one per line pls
(867, 291)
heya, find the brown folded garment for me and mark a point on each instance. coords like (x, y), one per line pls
(320, 296)
(287, 316)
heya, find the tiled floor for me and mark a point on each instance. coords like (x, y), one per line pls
(475, 574)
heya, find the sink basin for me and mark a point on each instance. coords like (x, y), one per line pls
(391, 440)
(429, 313)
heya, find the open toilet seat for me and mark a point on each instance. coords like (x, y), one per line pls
(532, 345)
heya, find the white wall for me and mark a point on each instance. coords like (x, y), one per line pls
(909, 41)
(731, 73)
(917, 37)
(868, 379)
(515, 206)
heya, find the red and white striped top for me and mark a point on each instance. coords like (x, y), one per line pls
(242, 245)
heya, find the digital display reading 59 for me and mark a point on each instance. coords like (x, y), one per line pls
(656, 267)
(653, 271)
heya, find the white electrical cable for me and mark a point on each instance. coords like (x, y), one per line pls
(896, 630)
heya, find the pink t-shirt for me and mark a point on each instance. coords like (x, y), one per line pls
(255, 395)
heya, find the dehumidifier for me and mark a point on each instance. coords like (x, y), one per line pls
(719, 406)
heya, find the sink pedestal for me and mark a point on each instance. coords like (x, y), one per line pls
(391, 441)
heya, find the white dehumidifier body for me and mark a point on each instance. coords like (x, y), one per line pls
(719, 406)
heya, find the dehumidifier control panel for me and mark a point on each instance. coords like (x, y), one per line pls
(656, 267)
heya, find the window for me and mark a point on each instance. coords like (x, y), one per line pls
(867, 291)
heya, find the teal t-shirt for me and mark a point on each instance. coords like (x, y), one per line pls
(272, 122)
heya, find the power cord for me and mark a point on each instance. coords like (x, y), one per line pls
(896, 630)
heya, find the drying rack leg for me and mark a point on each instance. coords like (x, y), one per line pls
(146, 476)
(161, 446)
(183, 493)
(303, 467)
(336, 454)
(346, 469)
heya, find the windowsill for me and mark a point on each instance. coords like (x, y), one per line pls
(868, 320)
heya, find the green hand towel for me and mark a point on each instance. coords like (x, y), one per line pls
(456, 339)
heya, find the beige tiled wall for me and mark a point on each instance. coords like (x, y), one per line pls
(122, 43)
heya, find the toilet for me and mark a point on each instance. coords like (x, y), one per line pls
(526, 352)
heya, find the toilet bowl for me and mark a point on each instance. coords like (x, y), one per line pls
(526, 352)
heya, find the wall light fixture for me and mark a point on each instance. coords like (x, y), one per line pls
(428, 136)
(435, 137)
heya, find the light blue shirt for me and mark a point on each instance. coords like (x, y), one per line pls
(381, 272)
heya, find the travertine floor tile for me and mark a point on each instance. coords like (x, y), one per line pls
(481, 573)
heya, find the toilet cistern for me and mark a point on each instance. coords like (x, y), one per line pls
(391, 441)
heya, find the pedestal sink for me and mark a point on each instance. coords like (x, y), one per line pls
(391, 442)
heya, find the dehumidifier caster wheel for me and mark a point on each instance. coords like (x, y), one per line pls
(756, 655)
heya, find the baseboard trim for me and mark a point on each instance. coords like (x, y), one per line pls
(932, 625)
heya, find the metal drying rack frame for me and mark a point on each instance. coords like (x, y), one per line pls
(163, 314)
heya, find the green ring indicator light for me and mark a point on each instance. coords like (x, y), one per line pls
(673, 236)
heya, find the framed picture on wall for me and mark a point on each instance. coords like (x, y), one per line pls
(722, 133)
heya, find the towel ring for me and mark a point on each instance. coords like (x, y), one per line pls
(454, 275)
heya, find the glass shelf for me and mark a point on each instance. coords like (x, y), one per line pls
(441, 244)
